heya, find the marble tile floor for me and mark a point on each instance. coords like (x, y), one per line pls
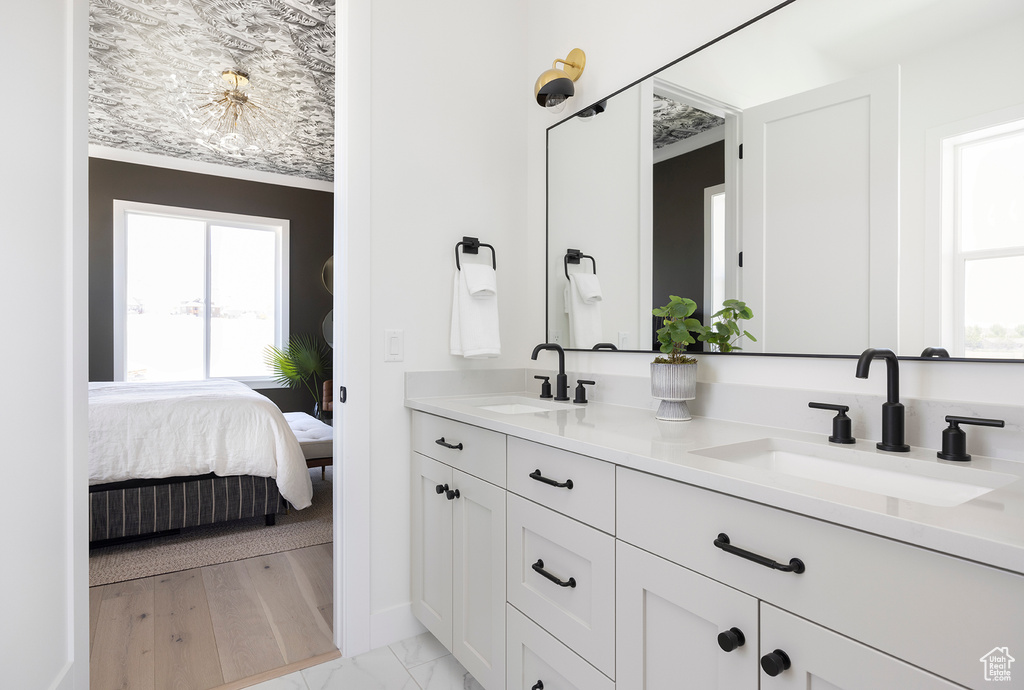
(418, 663)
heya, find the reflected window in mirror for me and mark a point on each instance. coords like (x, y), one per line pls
(986, 228)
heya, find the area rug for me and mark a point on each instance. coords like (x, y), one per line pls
(212, 544)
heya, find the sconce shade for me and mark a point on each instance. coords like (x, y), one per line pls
(554, 86)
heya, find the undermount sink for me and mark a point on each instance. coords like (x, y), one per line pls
(886, 474)
(512, 404)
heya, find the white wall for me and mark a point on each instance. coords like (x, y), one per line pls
(43, 264)
(594, 206)
(624, 42)
(447, 158)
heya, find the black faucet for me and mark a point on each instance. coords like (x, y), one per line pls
(892, 410)
(561, 381)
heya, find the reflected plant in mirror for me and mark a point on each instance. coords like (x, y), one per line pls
(723, 332)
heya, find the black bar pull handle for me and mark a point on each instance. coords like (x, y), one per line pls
(795, 564)
(567, 484)
(539, 567)
(442, 442)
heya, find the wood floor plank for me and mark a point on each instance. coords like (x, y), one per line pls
(313, 569)
(122, 654)
(288, 609)
(246, 642)
(186, 649)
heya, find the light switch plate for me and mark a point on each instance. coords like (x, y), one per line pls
(394, 345)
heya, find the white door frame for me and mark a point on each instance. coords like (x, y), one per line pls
(352, 218)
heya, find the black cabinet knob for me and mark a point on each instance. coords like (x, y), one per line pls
(731, 640)
(538, 686)
(775, 662)
(441, 488)
(452, 494)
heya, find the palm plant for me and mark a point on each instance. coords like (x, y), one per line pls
(304, 362)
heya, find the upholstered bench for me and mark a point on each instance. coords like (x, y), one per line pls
(315, 438)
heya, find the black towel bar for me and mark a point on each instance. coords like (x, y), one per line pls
(573, 256)
(471, 245)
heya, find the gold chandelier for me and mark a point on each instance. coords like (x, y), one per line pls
(232, 120)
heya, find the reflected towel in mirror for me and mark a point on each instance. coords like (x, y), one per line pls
(584, 313)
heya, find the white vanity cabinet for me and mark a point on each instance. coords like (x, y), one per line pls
(617, 578)
(928, 609)
(669, 621)
(822, 659)
(458, 545)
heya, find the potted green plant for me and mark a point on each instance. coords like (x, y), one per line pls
(674, 376)
(723, 333)
(303, 363)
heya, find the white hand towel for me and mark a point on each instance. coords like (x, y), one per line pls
(474, 318)
(588, 286)
(481, 280)
(584, 317)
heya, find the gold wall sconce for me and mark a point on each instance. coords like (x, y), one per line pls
(555, 86)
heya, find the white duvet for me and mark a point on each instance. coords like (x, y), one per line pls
(150, 430)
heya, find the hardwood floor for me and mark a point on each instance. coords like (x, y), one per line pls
(214, 626)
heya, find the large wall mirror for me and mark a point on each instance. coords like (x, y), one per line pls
(877, 200)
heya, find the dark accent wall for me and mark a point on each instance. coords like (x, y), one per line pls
(311, 242)
(679, 185)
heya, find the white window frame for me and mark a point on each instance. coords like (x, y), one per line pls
(280, 228)
(954, 259)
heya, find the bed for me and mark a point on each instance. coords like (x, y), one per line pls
(169, 455)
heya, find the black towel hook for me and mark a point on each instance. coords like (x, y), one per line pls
(471, 245)
(573, 256)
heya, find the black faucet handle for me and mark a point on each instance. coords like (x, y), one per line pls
(976, 421)
(545, 388)
(954, 439)
(841, 424)
(581, 392)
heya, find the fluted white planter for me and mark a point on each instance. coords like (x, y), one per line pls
(674, 384)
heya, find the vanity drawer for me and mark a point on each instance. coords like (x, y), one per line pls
(534, 656)
(592, 496)
(913, 603)
(482, 452)
(582, 616)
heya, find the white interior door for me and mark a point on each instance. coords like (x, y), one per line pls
(820, 181)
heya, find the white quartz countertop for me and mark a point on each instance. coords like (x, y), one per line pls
(988, 529)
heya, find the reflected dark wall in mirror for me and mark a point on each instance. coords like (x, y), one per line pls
(678, 225)
(875, 259)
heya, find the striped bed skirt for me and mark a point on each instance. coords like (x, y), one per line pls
(140, 507)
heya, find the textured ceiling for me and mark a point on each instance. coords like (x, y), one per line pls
(676, 121)
(145, 59)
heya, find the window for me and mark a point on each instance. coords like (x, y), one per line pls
(987, 236)
(197, 294)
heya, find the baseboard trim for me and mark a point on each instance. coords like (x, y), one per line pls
(393, 624)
